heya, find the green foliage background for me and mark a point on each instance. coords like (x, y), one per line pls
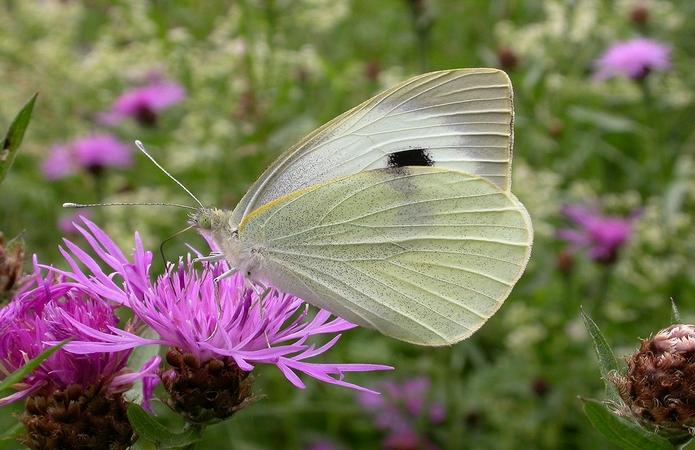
(262, 73)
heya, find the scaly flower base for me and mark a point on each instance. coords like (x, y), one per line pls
(205, 392)
(77, 418)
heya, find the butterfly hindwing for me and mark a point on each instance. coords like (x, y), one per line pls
(459, 119)
(422, 254)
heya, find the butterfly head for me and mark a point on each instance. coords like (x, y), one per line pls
(210, 219)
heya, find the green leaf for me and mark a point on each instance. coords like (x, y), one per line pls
(147, 427)
(621, 432)
(21, 373)
(606, 359)
(12, 433)
(675, 314)
(14, 136)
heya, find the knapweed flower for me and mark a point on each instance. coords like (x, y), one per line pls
(399, 410)
(145, 103)
(634, 59)
(93, 153)
(659, 386)
(215, 331)
(69, 395)
(603, 236)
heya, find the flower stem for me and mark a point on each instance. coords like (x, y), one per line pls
(198, 428)
(601, 291)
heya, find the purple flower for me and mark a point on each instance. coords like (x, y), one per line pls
(42, 314)
(634, 59)
(93, 153)
(323, 444)
(603, 236)
(66, 223)
(144, 103)
(204, 319)
(59, 163)
(400, 409)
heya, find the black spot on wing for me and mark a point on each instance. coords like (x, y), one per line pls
(413, 157)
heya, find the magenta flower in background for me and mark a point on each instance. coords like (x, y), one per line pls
(399, 410)
(59, 163)
(93, 153)
(603, 236)
(41, 315)
(144, 103)
(66, 222)
(635, 59)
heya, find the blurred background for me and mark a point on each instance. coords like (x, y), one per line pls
(604, 161)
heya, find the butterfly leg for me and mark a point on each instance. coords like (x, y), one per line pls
(212, 257)
(260, 297)
(227, 274)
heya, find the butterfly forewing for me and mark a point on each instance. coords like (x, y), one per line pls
(422, 254)
(459, 119)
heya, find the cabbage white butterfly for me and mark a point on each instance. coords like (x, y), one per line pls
(396, 215)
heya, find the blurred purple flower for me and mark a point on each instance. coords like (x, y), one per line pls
(603, 236)
(59, 163)
(634, 59)
(43, 314)
(323, 444)
(92, 153)
(399, 410)
(206, 319)
(144, 103)
(66, 223)
(406, 439)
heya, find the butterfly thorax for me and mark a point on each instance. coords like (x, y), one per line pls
(221, 227)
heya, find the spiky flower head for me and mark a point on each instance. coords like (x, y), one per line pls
(659, 386)
(214, 329)
(68, 393)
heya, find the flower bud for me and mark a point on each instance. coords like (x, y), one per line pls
(659, 387)
(639, 15)
(507, 58)
(205, 391)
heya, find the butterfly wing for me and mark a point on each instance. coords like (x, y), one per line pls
(422, 254)
(459, 119)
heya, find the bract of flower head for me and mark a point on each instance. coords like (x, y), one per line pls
(41, 315)
(634, 58)
(204, 318)
(603, 236)
(92, 153)
(144, 103)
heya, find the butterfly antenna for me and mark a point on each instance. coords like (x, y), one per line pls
(142, 149)
(161, 249)
(90, 205)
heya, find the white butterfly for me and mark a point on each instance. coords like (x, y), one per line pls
(396, 215)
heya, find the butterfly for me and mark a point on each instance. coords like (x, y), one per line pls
(397, 215)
